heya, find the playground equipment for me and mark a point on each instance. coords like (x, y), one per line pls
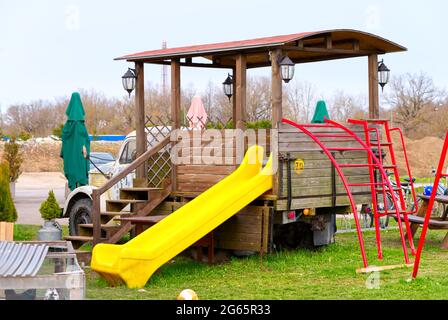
(381, 186)
(305, 193)
(135, 261)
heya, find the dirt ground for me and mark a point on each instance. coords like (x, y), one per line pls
(44, 156)
(423, 155)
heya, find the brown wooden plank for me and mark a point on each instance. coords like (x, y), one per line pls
(320, 155)
(205, 169)
(238, 245)
(200, 178)
(239, 236)
(324, 172)
(320, 202)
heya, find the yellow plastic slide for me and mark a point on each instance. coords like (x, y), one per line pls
(135, 261)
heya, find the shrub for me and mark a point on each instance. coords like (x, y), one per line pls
(24, 136)
(8, 211)
(58, 131)
(259, 124)
(49, 209)
(13, 156)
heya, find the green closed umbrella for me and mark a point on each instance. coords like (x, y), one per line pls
(74, 139)
(321, 113)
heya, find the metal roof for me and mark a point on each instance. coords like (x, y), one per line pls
(365, 40)
(21, 259)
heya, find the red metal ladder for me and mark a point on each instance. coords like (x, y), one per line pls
(439, 174)
(379, 145)
(373, 164)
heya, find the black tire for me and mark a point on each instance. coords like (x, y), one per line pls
(80, 213)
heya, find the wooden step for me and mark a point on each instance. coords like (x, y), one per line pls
(109, 215)
(140, 189)
(117, 213)
(138, 193)
(78, 241)
(103, 226)
(78, 238)
(126, 201)
(118, 205)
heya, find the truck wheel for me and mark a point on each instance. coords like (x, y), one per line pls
(80, 213)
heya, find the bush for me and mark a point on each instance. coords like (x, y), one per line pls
(13, 156)
(58, 131)
(24, 136)
(8, 211)
(49, 209)
(260, 124)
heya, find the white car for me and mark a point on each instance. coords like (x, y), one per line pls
(78, 203)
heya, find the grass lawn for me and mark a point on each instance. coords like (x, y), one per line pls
(328, 273)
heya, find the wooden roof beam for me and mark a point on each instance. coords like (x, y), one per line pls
(330, 50)
(194, 64)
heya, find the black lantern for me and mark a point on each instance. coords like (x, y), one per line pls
(227, 86)
(287, 69)
(383, 74)
(128, 80)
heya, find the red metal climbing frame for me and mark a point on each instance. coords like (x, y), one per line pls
(439, 174)
(375, 164)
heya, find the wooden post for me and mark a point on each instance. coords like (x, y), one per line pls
(374, 105)
(96, 216)
(234, 99)
(276, 95)
(175, 110)
(140, 117)
(240, 92)
(276, 102)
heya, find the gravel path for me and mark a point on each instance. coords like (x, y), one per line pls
(31, 189)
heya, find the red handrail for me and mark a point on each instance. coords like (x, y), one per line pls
(384, 176)
(439, 174)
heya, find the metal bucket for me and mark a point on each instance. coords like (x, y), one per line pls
(50, 231)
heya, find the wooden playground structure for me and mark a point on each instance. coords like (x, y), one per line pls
(322, 170)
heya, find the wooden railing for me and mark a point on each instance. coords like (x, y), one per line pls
(96, 193)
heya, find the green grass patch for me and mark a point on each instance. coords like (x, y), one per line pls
(326, 273)
(25, 232)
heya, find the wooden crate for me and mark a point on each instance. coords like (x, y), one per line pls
(6, 231)
(313, 187)
(248, 230)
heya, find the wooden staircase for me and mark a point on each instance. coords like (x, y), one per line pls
(135, 201)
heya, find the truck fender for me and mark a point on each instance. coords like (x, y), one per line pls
(78, 193)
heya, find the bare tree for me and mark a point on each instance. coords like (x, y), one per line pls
(258, 101)
(410, 95)
(343, 106)
(300, 101)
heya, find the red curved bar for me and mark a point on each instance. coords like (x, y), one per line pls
(344, 180)
(384, 176)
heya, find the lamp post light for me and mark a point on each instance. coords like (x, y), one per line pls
(287, 69)
(383, 74)
(128, 80)
(227, 86)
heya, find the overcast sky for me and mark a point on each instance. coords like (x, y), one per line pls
(49, 48)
